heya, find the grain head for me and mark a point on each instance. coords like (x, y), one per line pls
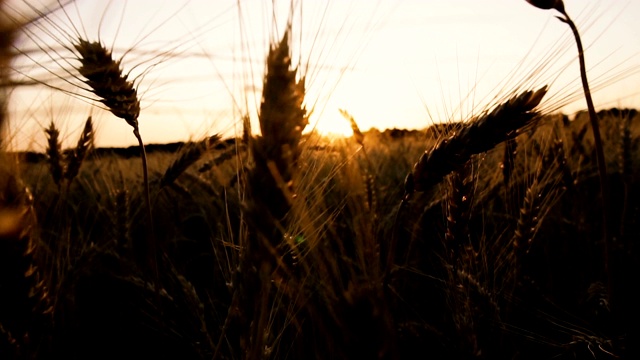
(107, 81)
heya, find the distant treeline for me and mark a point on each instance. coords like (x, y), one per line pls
(124, 152)
(434, 130)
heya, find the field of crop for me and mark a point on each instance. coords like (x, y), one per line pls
(495, 238)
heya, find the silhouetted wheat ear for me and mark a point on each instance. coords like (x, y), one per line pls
(282, 114)
(548, 4)
(625, 159)
(77, 155)
(508, 160)
(458, 204)
(192, 153)
(270, 191)
(107, 81)
(227, 154)
(357, 134)
(371, 194)
(478, 298)
(282, 117)
(598, 300)
(578, 145)
(246, 129)
(54, 153)
(528, 220)
(119, 95)
(121, 220)
(568, 180)
(479, 135)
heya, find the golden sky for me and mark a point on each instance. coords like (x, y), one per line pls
(199, 64)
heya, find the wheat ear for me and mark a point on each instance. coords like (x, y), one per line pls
(77, 155)
(458, 208)
(482, 134)
(54, 153)
(106, 80)
(357, 134)
(508, 161)
(625, 158)
(192, 153)
(282, 119)
(577, 146)
(479, 135)
(225, 155)
(121, 220)
(271, 188)
(528, 221)
(561, 159)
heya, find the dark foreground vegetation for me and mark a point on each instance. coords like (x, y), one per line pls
(503, 259)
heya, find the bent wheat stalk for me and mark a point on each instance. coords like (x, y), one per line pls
(77, 155)
(558, 5)
(119, 95)
(479, 135)
(482, 134)
(189, 155)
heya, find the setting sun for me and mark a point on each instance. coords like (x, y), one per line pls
(330, 125)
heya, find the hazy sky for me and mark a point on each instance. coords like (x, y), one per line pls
(198, 65)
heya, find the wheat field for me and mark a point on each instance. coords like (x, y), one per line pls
(509, 235)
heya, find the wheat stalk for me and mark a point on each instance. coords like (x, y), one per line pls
(192, 153)
(479, 135)
(578, 147)
(595, 127)
(77, 155)
(369, 179)
(106, 80)
(625, 158)
(282, 114)
(282, 120)
(561, 159)
(271, 190)
(528, 221)
(458, 205)
(54, 153)
(357, 134)
(482, 134)
(121, 219)
(625, 163)
(227, 154)
(508, 162)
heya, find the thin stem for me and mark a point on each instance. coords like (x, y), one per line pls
(391, 250)
(151, 243)
(602, 167)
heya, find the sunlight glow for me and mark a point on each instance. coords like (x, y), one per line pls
(199, 65)
(333, 125)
